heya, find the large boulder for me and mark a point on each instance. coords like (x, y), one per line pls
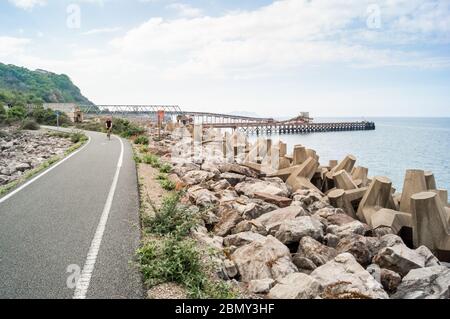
(344, 278)
(201, 235)
(273, 199)
(252, 208)
(227, 196)
(389, 279)
(262, 259)
(316, 252)
(228, 220)
(197, 177)
(349, 229)
(211, 167)
(401, 259)
(238, 169)
(233, 178)
(296, 286)
(272, 186)
(261, 286)
(184, 168)
(275, 218)
(250, 225)
(202, 197)
(362, 248)
(425, 283)
(306, 196)
(292, 230)
(220, 185)
(242, 239)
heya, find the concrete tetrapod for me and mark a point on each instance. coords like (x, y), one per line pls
(376, 206)
(360, 176)
(343, 180)
(301, 176)
(346, 164)
(414, 183)
(430, 222)
(346, 200)
(299, 156)
(430, 181)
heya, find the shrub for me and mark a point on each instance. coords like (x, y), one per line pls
(77, 137)
(90, 126)
(16, 113)
(2, 114)
(161, 177)
(126, 128)
(151, 160)
(144, 149)
(142, 140)
(179, 261)
(172, 218)
(167, 185)
(30, 125)
(48, 117)
(137, 159)
(171, 261)
(165, 168)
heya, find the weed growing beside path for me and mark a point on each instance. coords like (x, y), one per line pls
(168, 253)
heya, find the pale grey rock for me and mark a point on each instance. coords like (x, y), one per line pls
(274, 219)
(242, 239)
(272, 186)
(197, 177)
(425, 283)
(292, 230)
(261, 286)
(296, 286)
(343, 277)
(233, 178)
(263, 259)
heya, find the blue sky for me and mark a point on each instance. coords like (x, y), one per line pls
(274, 58)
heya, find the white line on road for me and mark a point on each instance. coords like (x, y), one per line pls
(3, 199)
(83, 282)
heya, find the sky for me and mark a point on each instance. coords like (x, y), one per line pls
(272, 58)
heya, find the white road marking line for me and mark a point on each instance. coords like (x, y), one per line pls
(3, 199)
(83, 282)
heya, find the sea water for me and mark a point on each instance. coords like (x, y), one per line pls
(396, 145)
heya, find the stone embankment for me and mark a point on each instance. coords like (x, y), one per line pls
(22, 151)
(289, 227)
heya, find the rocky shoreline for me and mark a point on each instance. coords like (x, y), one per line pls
(283, 240)
(22, 151)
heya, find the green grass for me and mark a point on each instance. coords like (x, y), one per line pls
(151, 160)
(142, 140)
(179, 261)
(171, 218)
(165, 168)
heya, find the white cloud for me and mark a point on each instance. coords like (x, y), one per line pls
(28, 4)
(10, 46)
(102, 31)
(281, 36)
(185, 10)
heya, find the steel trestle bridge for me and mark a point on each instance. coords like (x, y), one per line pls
(257, 125)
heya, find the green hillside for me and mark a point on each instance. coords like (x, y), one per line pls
(20, 86)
